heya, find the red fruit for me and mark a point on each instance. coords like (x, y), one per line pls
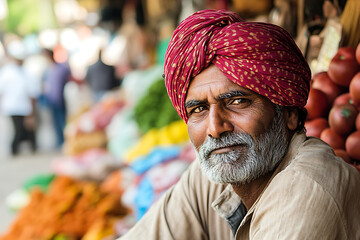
(354, 88)
(343, 66)
(316, 126)
(342, 99)
(317, 104)
(353, 145)
(335, 140)
(323, 82)
(357, 53)
(342, 118)
(357, 122)
(343, 154)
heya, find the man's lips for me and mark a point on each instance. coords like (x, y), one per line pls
(226, 149)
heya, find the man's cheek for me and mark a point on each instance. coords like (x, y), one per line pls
(195, 138)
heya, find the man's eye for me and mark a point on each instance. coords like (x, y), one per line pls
(197, 109)
(237, 101)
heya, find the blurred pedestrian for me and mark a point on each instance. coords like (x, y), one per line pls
(101, 78)
(18, 94)
(55, 78)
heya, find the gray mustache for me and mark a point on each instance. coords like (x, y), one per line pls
(227, 140)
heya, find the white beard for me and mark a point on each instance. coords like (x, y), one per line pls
(248, 162)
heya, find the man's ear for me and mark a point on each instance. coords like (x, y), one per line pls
(291, 117)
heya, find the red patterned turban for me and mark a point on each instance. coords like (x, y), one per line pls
(259, 56)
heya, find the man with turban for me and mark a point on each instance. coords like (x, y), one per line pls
(241, 87)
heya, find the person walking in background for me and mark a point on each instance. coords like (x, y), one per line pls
(18, 94)
(101, 78)
(55, 79)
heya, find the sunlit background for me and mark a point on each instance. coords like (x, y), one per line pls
(59, 24)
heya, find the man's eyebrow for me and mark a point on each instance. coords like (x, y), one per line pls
(231, 94)
(193, 103)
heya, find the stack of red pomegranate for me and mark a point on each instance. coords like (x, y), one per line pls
(334, 105)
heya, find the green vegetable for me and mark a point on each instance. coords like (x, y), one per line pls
(155, 110)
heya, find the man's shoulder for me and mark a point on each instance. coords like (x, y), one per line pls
(314, 188)
(316, 171)
(317, 160)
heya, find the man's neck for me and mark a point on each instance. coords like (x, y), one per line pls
(251, 191)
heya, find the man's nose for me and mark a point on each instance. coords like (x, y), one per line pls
(218, 122)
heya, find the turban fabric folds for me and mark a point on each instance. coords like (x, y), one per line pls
(259, 56)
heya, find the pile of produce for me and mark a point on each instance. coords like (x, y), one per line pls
(334, 105)
(172, 134)
(70, 210)
(155, 110)
(87, 130)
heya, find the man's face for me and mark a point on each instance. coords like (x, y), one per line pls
(237, 134)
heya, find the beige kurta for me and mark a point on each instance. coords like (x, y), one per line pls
(312, 195)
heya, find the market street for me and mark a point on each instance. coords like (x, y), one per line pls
(14, 171)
